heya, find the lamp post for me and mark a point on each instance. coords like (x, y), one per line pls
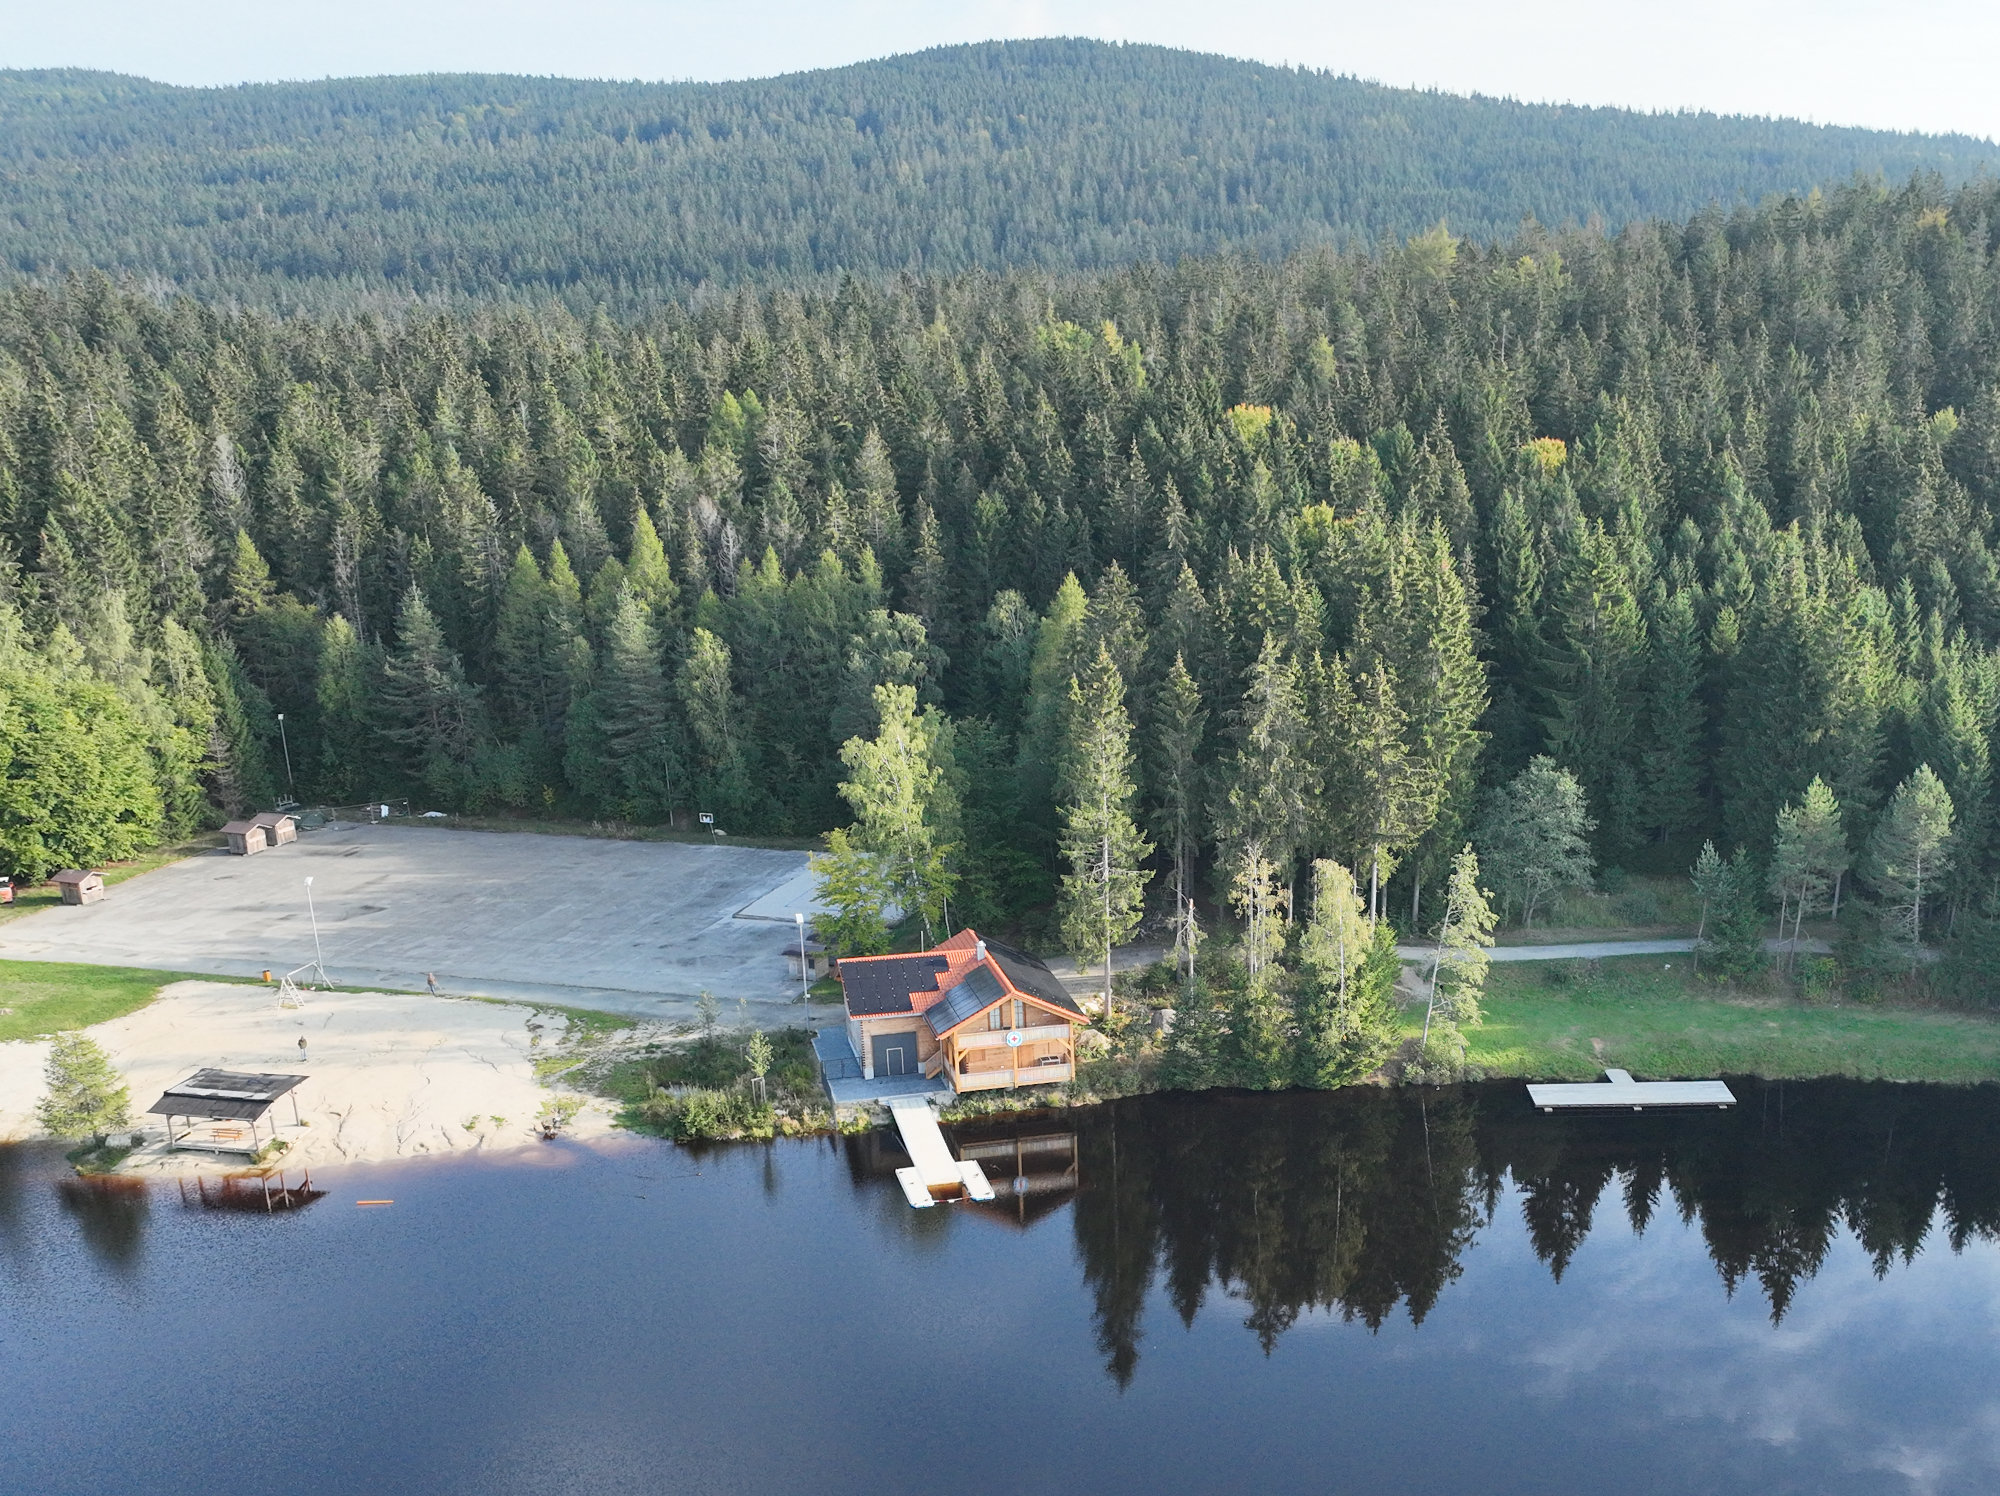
(319, 956)
(291, 785)
(805, 971)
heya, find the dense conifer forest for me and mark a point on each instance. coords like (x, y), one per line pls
(1055, 154)
(1354, 554)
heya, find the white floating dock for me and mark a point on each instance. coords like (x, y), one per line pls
(1619, 1092)
(932, 1168)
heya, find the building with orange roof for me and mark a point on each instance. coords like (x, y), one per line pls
(967, 1015)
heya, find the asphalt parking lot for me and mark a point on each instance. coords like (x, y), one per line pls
(634, 927)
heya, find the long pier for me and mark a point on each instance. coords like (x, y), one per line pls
(1619, 1092)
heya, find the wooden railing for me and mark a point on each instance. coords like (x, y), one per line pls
(1031, 1075)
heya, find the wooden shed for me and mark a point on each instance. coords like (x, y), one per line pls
(279, 827)
(79, 886)
(244, 837)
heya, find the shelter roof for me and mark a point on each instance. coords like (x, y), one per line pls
(73, 875)
(962, 977)
(237, 828)
(271, 817)
(239, 1094)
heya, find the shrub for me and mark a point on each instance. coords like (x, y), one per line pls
(1819, 978)
(1638, 905)
(699, 1113)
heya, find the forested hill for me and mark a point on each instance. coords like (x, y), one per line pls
(1702, 513)
(1055, 154)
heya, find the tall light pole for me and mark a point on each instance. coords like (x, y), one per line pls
(291, 786)
(805, 971)
(319, 956)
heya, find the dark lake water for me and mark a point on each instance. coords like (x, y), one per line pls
(1364, 1293)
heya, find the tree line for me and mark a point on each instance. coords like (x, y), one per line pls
(1155, 570)
(1060, 154)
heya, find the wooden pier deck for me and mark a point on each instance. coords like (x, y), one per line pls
(1619, 1092)
(933, 1173)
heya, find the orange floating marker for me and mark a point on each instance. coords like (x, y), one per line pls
(374, 1202)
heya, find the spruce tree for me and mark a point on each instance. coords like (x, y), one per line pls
(1104, 887)
(1670, 777)
(1179, 722)
(429, 710)
(632, 709)
(86, 1097)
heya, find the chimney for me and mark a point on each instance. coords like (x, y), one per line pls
(979, 952)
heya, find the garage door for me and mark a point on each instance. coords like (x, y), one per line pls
(896, 1054)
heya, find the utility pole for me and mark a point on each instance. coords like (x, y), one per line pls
(291, 786)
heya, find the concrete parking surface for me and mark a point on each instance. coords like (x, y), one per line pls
(630, 927)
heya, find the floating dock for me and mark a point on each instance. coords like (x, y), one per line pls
(933, 1174)
(1618, 1092)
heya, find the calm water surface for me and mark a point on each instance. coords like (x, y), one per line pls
(1327, 1293)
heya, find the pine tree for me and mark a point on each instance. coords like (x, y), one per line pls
(1808, 856)
(1104, 889)
(1458, 970)
(1908, 857)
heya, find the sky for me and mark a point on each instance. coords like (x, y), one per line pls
(1914, 65)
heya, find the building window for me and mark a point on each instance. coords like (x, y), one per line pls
(997, 1018)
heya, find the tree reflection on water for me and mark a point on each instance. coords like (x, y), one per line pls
(1362, 1203)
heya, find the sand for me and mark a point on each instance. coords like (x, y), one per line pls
(388, 1075)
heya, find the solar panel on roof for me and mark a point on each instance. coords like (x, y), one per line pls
(884, 985)
(979, 989)
(1032, 977)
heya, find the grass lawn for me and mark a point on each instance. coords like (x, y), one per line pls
(38, 998)
(1647, 1015)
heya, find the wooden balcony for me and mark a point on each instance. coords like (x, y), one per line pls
(992, 1078)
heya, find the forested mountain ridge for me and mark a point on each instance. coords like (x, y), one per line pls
(1057, 154)
(1701, 512)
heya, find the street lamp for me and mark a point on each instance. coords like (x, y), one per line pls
(805, 971)
(291, 785)
(319, 956)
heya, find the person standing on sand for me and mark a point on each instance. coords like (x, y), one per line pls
(431, 981)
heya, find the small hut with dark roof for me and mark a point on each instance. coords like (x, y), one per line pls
(79, 886)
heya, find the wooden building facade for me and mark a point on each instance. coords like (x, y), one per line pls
(978, 1014)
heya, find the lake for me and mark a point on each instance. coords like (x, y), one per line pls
(1359, 1293)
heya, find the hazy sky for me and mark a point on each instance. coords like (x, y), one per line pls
(1921, 64)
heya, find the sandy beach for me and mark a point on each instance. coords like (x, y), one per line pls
(388, 1075)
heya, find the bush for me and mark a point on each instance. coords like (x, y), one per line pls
(700, 1114)
(1638, 905)
(1819, 978)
